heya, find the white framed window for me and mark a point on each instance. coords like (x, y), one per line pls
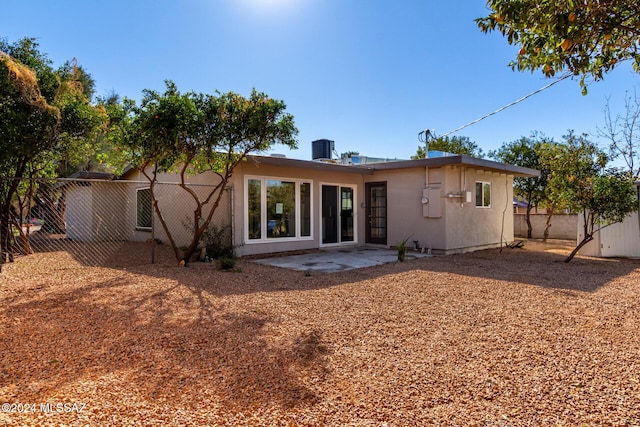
(144, 209)
(277, 209)
(483, 194)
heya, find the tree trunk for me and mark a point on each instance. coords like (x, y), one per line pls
(198, 230)
(6, 252)
(587, 239)
(547, 225)
(4, 236)
(25, 246)
(172, 242)
(528, 219)
(195, 240)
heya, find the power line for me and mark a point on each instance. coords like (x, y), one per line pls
(509, 105)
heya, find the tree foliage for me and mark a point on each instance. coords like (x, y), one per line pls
(580, 179)
(189, 133)
(586, 38)
(525, 152)
(44, 115)
(454, 145)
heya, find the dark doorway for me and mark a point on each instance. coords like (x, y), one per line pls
(376, 206)
(329, 214)
(338, 220)
(346, 214)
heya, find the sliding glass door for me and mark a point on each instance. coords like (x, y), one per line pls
(338, 216)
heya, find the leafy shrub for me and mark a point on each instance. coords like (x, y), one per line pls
(226, 262)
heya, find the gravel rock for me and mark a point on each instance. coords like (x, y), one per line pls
(511, 338)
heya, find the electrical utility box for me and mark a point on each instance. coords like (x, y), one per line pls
(431, 202)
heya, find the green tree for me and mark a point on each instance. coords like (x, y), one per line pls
(554, 200)
(587, 38)
(526, 152)
(41, 116)
(27, 124)
(349, 154)
(74, 74)
(578, 177)
(191, 133)
(454, 145)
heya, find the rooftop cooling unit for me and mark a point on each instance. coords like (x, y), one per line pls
(321, 149)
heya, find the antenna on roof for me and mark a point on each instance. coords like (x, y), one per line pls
(426, 136)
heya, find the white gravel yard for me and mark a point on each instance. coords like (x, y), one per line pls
(517, 338)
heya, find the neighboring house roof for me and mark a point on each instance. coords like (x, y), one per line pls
(369, 169)
(93, 175)
(519, 204)
(81, 176)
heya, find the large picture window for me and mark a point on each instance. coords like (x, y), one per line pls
(278, 209)
(144, 209)
(281, 209)
(483, 194)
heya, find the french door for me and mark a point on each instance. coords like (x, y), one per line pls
(376, 207)
(338, 220)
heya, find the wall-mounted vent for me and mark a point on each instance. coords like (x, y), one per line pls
(321, 149)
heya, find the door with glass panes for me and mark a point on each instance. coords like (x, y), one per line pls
(338, 219)
(376, 208)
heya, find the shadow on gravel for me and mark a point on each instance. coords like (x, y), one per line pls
(541, 266)
(135, 338)
(181, 337)
(536, 264)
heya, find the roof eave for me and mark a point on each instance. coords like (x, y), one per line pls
(460, 160)
(308, 164)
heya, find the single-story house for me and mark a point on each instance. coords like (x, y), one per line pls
(616, 240)
(447, 204)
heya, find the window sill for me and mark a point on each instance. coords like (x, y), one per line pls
(277, 240)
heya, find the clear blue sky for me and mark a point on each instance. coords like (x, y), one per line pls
(368, 74)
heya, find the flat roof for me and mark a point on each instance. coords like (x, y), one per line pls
(369, 169)
(460, 160)
(308, 164)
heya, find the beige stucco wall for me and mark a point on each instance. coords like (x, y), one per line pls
(448, 225)
(404, 208)
(176, 205)
(109, 200)
(470, 227)
(77, 215)
(562, 226)
(94, 211)
(106, 211)
(462, 226)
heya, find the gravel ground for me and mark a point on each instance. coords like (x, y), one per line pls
(517, 338)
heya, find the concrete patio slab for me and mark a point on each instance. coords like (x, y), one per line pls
(336, 260)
